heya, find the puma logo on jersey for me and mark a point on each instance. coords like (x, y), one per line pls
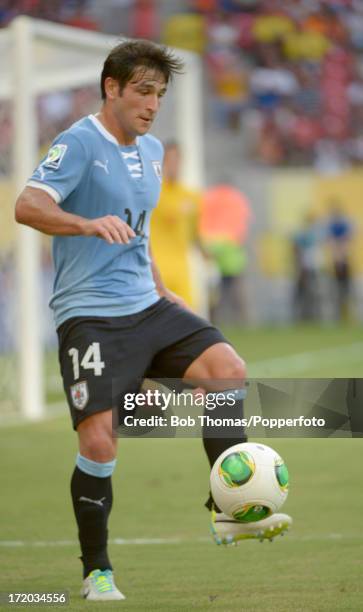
(103, 165)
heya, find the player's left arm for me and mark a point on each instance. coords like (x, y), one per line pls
(160, 287)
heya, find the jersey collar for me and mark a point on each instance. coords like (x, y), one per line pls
(105, 133)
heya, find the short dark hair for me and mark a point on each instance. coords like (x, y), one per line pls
(124, 59)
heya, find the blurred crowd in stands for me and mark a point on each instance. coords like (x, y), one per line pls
(70, 12)
(287, 75)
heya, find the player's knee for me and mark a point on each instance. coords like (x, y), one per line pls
(233, 369)
(228, 366)
(97, 445)
(95, 438)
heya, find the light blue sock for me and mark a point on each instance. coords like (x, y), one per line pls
(94, 468)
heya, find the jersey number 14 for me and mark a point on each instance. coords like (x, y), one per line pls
(139, 227)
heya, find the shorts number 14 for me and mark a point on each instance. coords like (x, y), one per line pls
(91, 360)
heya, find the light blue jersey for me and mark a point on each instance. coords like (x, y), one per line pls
(89, 174)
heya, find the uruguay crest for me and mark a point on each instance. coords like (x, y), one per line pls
(80, 395)
(157, 168)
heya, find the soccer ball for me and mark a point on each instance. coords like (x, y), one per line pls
(249, 482)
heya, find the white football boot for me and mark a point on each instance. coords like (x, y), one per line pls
(100, 586)
(226, 530)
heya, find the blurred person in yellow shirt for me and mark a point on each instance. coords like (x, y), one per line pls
(174, 228)
(269, 28)
(185, 31)
(306, 44)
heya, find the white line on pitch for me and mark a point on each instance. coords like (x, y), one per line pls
(298, 362)
(117, 541)
(156, 541)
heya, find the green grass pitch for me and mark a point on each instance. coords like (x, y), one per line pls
(161, 550)
(160, 486)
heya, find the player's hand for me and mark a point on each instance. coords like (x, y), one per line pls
(111, 228)
(176, 299)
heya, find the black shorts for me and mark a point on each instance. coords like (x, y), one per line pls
(158, 342)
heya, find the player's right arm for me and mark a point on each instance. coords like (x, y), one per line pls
(57, 176)
(36, 208)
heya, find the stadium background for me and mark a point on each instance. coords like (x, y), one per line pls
(291, 152)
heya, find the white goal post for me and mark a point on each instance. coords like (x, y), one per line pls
(79, 57)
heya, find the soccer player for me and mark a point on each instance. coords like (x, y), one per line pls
(174, 228)
(94, 192)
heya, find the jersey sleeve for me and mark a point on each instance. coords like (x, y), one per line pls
(61, 170)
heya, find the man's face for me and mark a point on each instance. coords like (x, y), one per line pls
(136, 107)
